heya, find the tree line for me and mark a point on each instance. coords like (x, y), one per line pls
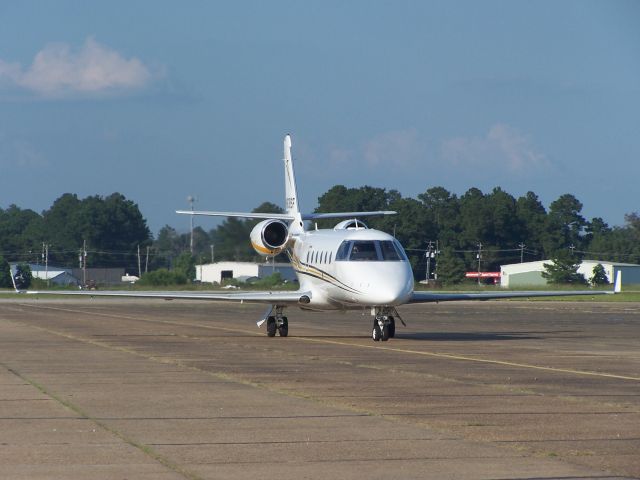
(496, 226)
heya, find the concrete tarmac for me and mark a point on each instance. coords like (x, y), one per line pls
(150, 389)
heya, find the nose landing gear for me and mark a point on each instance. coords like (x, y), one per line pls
(384, 324)
(384, 328)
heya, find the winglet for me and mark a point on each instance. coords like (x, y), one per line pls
(15, 287)
(617, 288)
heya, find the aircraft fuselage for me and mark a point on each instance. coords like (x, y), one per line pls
(351, 268)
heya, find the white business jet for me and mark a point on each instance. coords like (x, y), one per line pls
(349, 267)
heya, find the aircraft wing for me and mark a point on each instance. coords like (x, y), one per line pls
(280, 298)
(425, 297)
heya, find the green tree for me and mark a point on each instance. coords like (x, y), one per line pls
(599, 276)
(532, 217)
(5, 274)
(564, 224)
(563, 269)
(112, 226)
(451, 268)
(506, 228)
(20, 232)
(185, 265)
(475, 219)
(443, 210)
(167, 247)
(162, 277)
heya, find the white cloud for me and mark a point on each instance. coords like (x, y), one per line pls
(400, 147)
(503, 147)
(20, 153)
(58, 70)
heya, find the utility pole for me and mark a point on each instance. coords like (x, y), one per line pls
(429, 255)
(191, 199)
(139, 268)
(573, 249)
(521, 245)
(435, 274)
(45, 254)
(84, 262)
(212, 257)
(479, 260)
(146, 261)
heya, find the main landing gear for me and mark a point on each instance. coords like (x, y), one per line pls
(384, 323)
(276, 323)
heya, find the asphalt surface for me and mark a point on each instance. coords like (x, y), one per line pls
(130, 389)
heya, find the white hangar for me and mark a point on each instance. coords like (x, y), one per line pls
(530, 273)
(217, 272)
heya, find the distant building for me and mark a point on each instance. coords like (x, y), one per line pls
(55, 275)
(220, 271)
(100, 276)
(530, 273)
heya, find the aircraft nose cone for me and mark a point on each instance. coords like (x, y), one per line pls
(390, 292)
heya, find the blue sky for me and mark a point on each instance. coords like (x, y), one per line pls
(160, 100)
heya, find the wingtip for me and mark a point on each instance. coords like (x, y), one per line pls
(617, 288)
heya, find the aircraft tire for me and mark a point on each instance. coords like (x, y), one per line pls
(385, 333)
(283, 330)
(271, 327)
(376, 334)
(392, 327)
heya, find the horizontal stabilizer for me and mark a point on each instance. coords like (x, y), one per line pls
(318, 216)
(279, 216)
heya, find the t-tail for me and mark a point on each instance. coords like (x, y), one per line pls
(291, 192)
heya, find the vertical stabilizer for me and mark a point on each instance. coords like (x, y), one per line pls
(291, 193)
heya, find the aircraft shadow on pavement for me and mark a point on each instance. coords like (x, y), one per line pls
(468, 336)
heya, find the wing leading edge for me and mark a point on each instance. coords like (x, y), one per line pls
(281, 298)
(426, 297)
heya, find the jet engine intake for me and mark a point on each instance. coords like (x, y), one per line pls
(269, 237)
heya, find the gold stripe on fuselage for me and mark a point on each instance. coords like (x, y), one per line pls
(306, 269)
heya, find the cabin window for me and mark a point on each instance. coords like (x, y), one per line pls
(330, 256)
(308, 257)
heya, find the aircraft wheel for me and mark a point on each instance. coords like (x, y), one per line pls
(392, 327)
(271, 327)
(385, 333)
(283, 329)
(376, 334)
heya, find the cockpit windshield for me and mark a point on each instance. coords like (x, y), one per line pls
(370, 251)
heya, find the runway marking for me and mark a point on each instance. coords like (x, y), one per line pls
(474, 359)
(360, 345)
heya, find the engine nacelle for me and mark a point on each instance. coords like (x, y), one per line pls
(269, 237)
